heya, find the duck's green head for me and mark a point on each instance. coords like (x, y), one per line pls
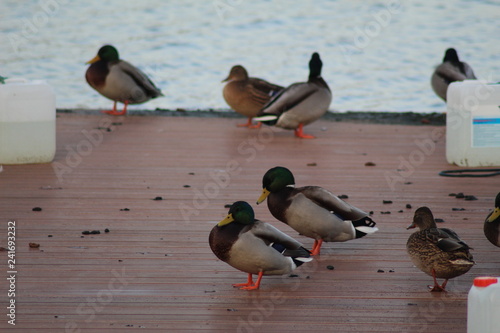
(496, 213)
(240, 212)
(451, 56)
(106, 53)
(423, 219)
(275, 180)
(315, 65)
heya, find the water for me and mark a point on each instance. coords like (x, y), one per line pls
(378, 55)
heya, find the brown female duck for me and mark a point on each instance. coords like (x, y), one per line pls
(247, 95)
(438, 252)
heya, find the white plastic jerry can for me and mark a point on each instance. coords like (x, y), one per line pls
(473, 124)
(27, 122)
(483, 306)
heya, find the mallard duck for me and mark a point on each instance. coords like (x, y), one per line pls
(451, 70)
(118, 80)
(254, 247)
(438, 252)
(300, 103)
(247, 95)
(492, 224)
(313, 211)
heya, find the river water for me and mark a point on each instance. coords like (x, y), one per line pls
(377, 55)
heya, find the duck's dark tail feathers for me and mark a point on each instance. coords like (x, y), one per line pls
(299, 256)
(364, 226)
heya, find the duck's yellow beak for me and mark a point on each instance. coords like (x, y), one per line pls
(263, 196)
(94, 59)
(494, 215)
(228, 219)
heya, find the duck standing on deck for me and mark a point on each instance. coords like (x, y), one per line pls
(451, 70)
(313, 211)
(492, 224)
(247, 95)
(300, 103)
(438, 252)
(118, 80)
(254, 247)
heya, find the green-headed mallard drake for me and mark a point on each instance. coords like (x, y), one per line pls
(451, 70)
(492, 224)
(300, 103)
(438, 252)
(254, 247)
(247, 95)
(118, 80)
(313, 211)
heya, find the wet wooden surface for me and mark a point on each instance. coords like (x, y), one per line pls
(154, 270)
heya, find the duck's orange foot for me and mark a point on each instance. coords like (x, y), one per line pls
(316, 247)
(117, 113)
(246, 284)
(114, 112)
(249, 285)
(258, 125)
(436, 288)
(299, 132)
(254, 287)
(249, 124)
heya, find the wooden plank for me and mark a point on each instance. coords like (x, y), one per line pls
(154, 269)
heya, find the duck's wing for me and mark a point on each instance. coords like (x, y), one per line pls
(469, 73)
(270, 235)
(331, 202)
(261, 91)
(449, 73)
(141, 79)
(289, 97)
(446, 239)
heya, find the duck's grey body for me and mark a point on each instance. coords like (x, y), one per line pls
(121, 81)
(316, 213)
(300, 103)
(252, 252)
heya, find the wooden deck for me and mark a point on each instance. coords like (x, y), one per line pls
(154, 270)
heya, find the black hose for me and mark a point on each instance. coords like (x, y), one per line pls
(467, 173)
